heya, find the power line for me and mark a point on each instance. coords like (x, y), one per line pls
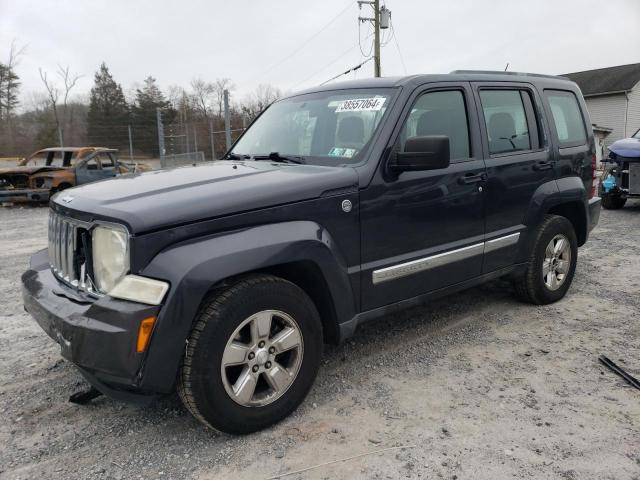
(305, 43)
(352, 69)
(327, 65)
(395, 40)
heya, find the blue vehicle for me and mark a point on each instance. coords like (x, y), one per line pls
(621, 179)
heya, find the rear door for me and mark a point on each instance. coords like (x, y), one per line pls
(518, 160)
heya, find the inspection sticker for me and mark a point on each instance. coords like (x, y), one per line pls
(361, 105)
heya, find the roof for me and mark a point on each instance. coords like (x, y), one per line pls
(414, 80)
(607, 80)
(75, 149)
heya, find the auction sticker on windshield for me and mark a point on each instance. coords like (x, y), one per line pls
(361, 105)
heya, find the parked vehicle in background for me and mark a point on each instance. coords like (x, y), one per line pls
(621, 179)
(51, 170)
(336, 206)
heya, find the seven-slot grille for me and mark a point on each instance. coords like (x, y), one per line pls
(64, 250)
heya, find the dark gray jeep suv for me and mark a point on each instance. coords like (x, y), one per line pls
(337, 205)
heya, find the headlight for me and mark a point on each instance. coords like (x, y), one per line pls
(110, 256)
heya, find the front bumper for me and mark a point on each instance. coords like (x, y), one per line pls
(26, 195)
(98, 336)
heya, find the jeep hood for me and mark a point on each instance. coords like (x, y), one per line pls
(159, 199)
(627, 147)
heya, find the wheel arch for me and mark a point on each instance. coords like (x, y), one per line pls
(301, 252)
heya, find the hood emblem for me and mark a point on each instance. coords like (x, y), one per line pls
(67, 199)
(346, 206)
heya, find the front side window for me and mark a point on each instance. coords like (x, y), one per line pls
(440, 113)
(323, 128)
(567, 118)
(505, 120)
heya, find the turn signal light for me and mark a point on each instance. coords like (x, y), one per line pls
(144, 333)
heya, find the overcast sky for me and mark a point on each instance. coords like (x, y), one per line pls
(294, 44)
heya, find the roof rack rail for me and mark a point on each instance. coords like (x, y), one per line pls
(500, 72)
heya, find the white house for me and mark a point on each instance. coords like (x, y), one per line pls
(613, 98)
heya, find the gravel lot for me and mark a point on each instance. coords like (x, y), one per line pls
(477, 385)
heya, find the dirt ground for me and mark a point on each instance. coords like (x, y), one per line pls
(475, 386)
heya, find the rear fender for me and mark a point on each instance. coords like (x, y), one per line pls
(195, 267)
(547, 197)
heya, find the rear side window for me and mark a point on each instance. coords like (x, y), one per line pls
(440, 113)
(506, 121)
(567, 118)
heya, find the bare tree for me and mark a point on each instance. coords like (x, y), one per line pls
(219, 86)
(202, 94)
(60, 110)
(263, 96)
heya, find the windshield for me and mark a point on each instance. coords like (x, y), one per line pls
(322, 128)
(637, 134)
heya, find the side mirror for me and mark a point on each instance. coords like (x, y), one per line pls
(423, 153)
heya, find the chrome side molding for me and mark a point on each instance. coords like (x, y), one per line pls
(427, 263)
(501, 242)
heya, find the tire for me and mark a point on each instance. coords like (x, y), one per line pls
(230, 326)
(613, 202)
(537, 287)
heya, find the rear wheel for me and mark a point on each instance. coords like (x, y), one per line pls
(613, 202)
(552, 263)
(252, 355)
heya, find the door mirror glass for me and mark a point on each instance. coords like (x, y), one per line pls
(430, 152)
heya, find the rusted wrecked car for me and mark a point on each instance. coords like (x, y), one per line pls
(50, 170)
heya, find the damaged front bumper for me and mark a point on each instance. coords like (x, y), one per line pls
(12, 195)
(97, 335)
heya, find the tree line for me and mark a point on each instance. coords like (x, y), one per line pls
(58, 116)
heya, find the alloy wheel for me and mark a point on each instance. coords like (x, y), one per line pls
(262, 358)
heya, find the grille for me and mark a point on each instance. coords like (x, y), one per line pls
(69, 243)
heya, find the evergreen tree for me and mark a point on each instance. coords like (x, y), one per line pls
(108, 116)
(9, 85)
(144, 115)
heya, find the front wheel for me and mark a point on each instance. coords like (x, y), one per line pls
(552, 263)
(252, 355)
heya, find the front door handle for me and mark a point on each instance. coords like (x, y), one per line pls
(472, 178)
(544, 165)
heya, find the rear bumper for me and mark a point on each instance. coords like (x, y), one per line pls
(594, 212)
(98, 336)
(18, 196)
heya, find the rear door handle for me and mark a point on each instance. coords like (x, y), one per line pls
(473, 178)
(543, 166)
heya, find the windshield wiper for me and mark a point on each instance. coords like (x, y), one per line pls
(276, 157)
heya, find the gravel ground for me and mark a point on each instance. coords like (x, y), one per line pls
(476, 385)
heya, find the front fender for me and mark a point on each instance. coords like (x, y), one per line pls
(193, 267)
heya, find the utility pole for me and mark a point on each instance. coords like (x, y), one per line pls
(160, 134)
(227, 119)
(213, 146)
(130, 144)
(376, 38)
(380, 20)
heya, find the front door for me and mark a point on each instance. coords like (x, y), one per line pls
(424, 230)
(96, 167)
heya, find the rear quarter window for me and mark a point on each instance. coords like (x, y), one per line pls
(567, 118)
